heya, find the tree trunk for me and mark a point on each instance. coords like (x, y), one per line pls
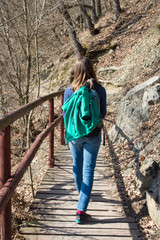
(2, 101)
(78, 49)
(98, 8)
(108, 5)
(85, 15)
(56, 37)
(117, 10)
(28, 53)
(93, 12)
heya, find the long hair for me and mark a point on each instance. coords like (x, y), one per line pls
(83, 72)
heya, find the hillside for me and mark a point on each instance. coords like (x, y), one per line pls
(124, 48)
(125, 53)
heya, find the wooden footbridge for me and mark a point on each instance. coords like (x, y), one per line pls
(54, 206)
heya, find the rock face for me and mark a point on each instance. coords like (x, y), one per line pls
(133, 110)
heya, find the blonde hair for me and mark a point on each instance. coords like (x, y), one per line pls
(83, 72)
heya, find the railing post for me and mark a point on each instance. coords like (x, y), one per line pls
(5, 172)
(51, 135)
(62, 126)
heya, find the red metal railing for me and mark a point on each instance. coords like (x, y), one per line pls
(8, 181)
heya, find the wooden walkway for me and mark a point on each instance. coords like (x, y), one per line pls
(56, 200)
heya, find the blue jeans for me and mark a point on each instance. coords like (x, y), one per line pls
(84, 153)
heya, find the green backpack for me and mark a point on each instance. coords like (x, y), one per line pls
(82, 113)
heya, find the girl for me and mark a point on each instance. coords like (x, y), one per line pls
(84, 150)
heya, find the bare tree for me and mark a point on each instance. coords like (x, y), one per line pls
(78, 49)
(2, 101)
(87, 18)
(19, 38)
(98, 8)
(28, 51)
(56, 36)
(93, 12)
(20, 55)
(11, 70)
(117, 9)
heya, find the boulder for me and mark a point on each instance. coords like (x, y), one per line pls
(146, 174)
(153, 200)
(150, 97)
(134, 110)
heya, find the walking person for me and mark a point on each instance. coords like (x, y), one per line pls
(84, 148)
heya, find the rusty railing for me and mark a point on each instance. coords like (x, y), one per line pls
(8, 180)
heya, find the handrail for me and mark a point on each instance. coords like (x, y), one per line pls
(14, 115)
(7, 190)
(8, 182)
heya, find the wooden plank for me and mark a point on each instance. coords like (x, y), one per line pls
(97, 208)
(51, 185)
(68, 197)
(62, 173)
(66, 237)
(75, 231)
(60, 185)
(88, 224)
(72, 204)
(70, 191)
(68, 172)
(59, 213)
(99, 215)
(93, 221)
